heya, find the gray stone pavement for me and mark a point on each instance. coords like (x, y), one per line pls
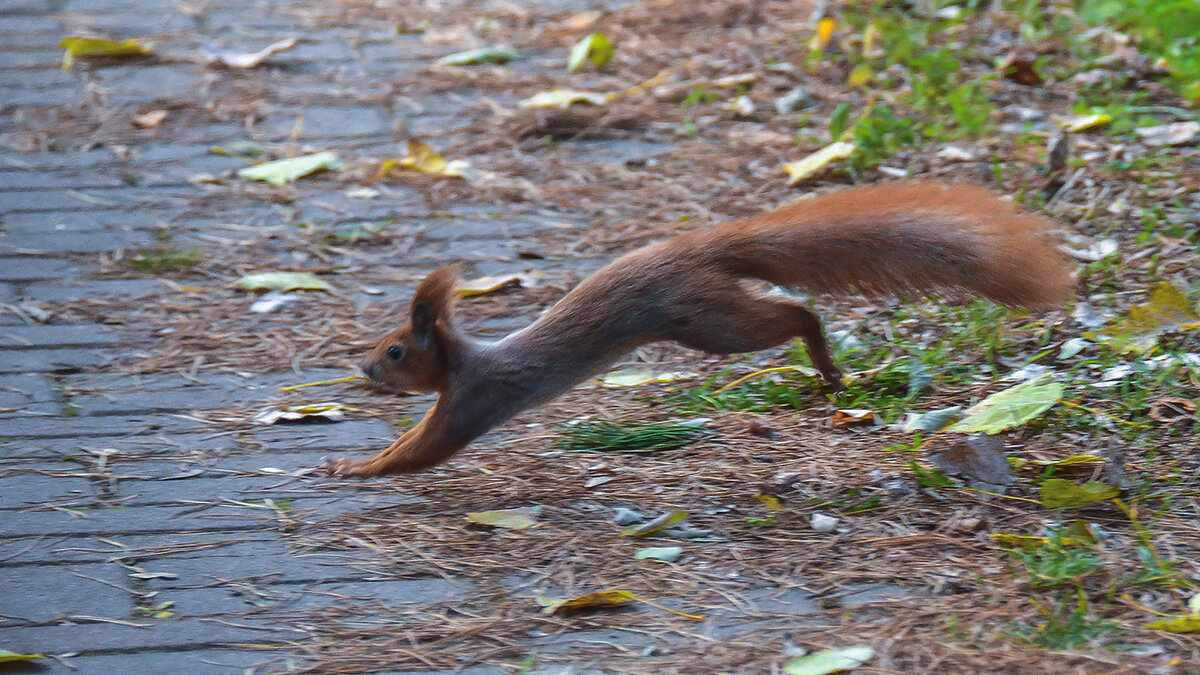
(117, 506)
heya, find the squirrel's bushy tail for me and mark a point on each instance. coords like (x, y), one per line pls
(908, 239)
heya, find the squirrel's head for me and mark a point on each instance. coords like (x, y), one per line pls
(413, 357)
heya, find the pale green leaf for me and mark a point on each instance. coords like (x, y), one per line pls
(511, 519)
(830, 661)
(664, 553)
(596, 48)
(565, 98)
(1012, 407)
(1058, 493)
(287, 170)
(498, 54)
(283, 281)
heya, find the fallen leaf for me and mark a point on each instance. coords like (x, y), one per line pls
(851, 416)
(934, 420)
(770, 501)
(85, 47)
(498, 54)
(1183, 624)
(830, 661)
(821, 36)
(638, 378)
(13, 657)
(1011, 407)
(1058, 493)
(802, 169)
(565, 98)
(1019, 67)
(287, 170)
(511, 519)
(483, 285)
(320, 413)
(1170, 410)
(596, 48)
(823, 523)
(664, 553)
(423, 159)
(272, 301)
(1179, 133)
(657, 525)
(244, 60)
(283, 281)
(979, 459)
(1166, 309)
(599, 600)
(1073, 460)
(151, 119)
(1085, 122)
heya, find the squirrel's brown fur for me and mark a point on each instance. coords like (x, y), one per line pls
(909, 239)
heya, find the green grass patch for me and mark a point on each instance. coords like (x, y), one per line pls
(629, 437)
(163, 259)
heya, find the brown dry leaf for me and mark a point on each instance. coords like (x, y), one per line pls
(1172, 410)
(1019, 67)
(979, 459)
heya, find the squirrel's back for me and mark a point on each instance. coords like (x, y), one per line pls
(910, 239)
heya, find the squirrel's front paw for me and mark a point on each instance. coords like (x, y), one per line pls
(347, 468)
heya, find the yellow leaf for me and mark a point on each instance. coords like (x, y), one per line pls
(1085, 122)
(800, 170)
(1183, 624)
(860, 75)
(770, 501)
(484, 285)
(422, 158)
(820, 39)
(1166, 309)
(598, 600)
(13, 657)
(76, 46)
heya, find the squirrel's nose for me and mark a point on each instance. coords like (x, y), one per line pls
(370, 369)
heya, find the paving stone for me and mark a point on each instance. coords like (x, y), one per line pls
(197, 662)
(28, 393)
(104, 394)
(109, 425)
(60, 335)
(187, 634)
(292, 597)
(134, 520)
(20, 491)
(50, 360)
(49, 593)
(267, 562)
(84, 242)
(94, 220)
(77, 289)
(129, 547)
(31, 268)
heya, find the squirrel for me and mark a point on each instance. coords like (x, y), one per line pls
(892, 239)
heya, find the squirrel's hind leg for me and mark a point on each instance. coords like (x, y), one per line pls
(741, 321)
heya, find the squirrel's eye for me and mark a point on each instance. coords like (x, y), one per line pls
(395, 352)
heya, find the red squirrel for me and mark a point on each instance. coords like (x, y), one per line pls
(907, 239)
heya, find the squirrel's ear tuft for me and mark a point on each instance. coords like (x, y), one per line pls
(433, 301)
